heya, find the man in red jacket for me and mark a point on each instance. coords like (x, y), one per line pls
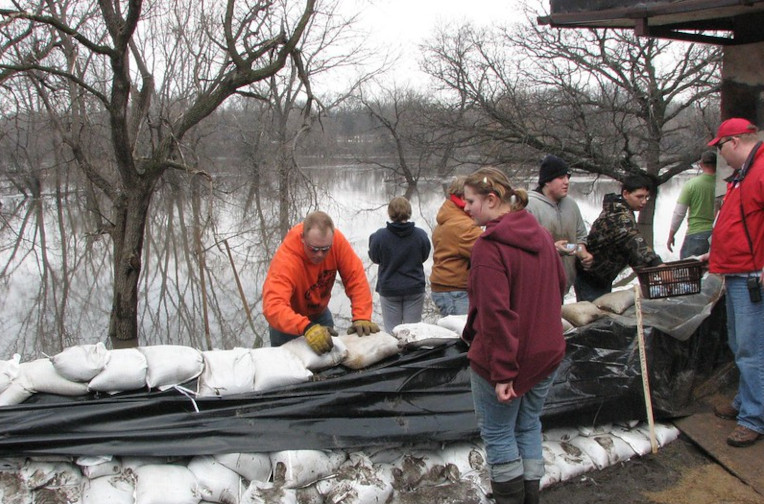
(737, 252)
(299, 284)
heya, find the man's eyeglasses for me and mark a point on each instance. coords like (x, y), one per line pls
(721, 143)
(316, 250)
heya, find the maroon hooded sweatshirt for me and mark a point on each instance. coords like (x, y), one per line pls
(516, 287)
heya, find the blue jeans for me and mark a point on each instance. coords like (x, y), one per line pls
(278, 338)
(745, 330)
(695, 244)
(401, 310)
(451, 302)
(511, 431)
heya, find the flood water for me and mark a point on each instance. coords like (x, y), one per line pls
(55, 288)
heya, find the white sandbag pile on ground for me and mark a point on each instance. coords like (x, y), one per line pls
(433, 472)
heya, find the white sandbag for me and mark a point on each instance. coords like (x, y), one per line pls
(560, 434)
(108, 489)
(419, 331)
(16, 393)
(251, 466)
(170, 365)
(454, 322)
(465, 456)
(570, 460)
(96, 467)
(9, 371)
(261, 492)
(311, 360)
(595, 430)
(552, 475)
(664, 434)
(616, 302)
(417, 468)
(363, 351)
(636, 439)
(13, 491)
(217, 483)
(357, 481)
(596, 447)
(165, 484)
(42, 377)
(296, 468)
(81, 362)
(41, 474)
(581, 313)
(567, 326)
(278, 367)
(131, 463)
(126, 370)
(227, 372)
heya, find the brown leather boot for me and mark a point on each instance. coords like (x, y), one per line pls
(509, 492)
(531, 491)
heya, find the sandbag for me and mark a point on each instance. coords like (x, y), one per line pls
(363, 351)
(170, 365)
(296, 468)
(419, 331)
(117, 489)
(417, 468)
(616, 302)
(357, 481)
(465, 456)
(227, 372)
(81, 362)
(41, 376)
(9, 371)
(165, 484)
(454, 322)
(16, 393)
(311, 360)
(96, 467)
(581, 313)
(570, 460)
(125, 370)
(216, 482)
(276, 368)
(262, 492)
(41, 474)
(251, 466)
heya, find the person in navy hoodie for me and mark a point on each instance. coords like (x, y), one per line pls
(514, 332)
(400, 249)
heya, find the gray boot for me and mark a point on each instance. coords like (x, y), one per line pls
(531, 492)
(509, 492)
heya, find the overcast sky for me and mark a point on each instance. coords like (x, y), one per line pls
(400, 25)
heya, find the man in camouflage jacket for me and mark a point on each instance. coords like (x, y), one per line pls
(615, 241)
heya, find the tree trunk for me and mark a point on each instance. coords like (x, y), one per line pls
(130, 214)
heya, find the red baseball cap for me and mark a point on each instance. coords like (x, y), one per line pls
(732, 127)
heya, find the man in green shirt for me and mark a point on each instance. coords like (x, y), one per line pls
(697, 196)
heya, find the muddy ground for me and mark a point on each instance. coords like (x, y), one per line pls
(680, 473)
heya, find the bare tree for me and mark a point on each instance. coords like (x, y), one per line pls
(153, 70)
(608, 102)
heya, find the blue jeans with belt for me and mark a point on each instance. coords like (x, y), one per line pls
(745, 331)
(511, 431)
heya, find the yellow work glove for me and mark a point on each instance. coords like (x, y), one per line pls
(363, 327)
(319, 338)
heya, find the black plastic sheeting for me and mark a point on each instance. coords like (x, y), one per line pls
(423, 394)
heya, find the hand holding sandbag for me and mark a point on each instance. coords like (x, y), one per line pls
(363, 327)
(319, 338)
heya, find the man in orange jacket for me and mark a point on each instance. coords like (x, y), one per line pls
(299, 284)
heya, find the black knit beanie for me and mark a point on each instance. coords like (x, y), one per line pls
(551, 168)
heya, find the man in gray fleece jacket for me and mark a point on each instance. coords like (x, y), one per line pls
(560, 215)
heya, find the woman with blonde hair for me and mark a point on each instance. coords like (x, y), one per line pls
(516, 285)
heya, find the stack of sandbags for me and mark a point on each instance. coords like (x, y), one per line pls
(422, 331)
(447, 473)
